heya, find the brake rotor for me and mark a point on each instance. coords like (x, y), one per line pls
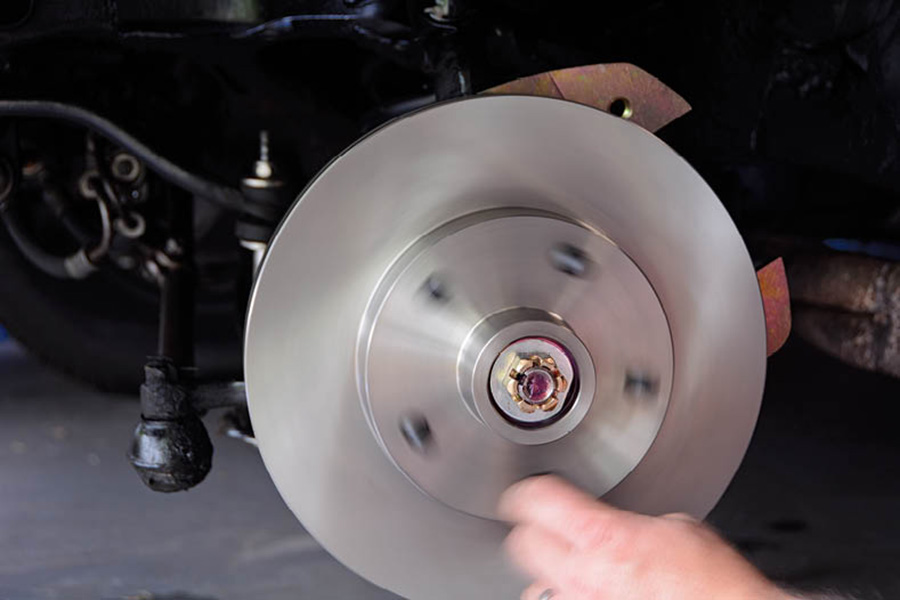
(485, 290)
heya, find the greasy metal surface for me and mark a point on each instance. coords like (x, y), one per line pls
(532, 379)
(849, 306)
(477, 359)
(651, 103)
(412, 353)
(773, 286)
(415, 175)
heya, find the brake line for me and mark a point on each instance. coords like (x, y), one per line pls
(227, 197)
(77, 265)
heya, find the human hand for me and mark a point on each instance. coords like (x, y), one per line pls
(582, 549)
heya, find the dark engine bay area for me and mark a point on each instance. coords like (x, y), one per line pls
(794, 123)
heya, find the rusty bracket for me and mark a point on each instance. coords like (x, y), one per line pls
(773, 287)
(618, 88)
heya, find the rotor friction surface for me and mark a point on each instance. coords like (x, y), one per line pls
(414, 176)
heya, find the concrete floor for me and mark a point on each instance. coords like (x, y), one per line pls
(815, 504)
(76, 522)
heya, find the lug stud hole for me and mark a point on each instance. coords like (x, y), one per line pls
(640, 384)
(417, 432)
(436, 290)
(569, 260)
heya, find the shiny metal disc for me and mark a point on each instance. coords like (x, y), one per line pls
(484, 290)
(440, 359)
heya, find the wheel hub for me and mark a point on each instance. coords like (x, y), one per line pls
(614, 325)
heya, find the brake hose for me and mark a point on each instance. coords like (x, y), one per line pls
(77, 265)
(74, 266)
(225, 196)
(55, 201)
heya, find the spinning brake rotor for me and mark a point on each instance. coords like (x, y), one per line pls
(488, 289)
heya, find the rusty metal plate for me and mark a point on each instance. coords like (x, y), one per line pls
(773, 286)
(638, 95)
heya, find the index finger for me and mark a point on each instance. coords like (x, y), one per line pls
(555, 505)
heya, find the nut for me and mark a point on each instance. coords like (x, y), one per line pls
(535, 383)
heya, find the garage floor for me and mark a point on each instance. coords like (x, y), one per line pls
(816, 503)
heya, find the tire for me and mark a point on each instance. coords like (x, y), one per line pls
(100, 330)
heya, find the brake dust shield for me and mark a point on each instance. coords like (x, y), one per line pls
(488, 289)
